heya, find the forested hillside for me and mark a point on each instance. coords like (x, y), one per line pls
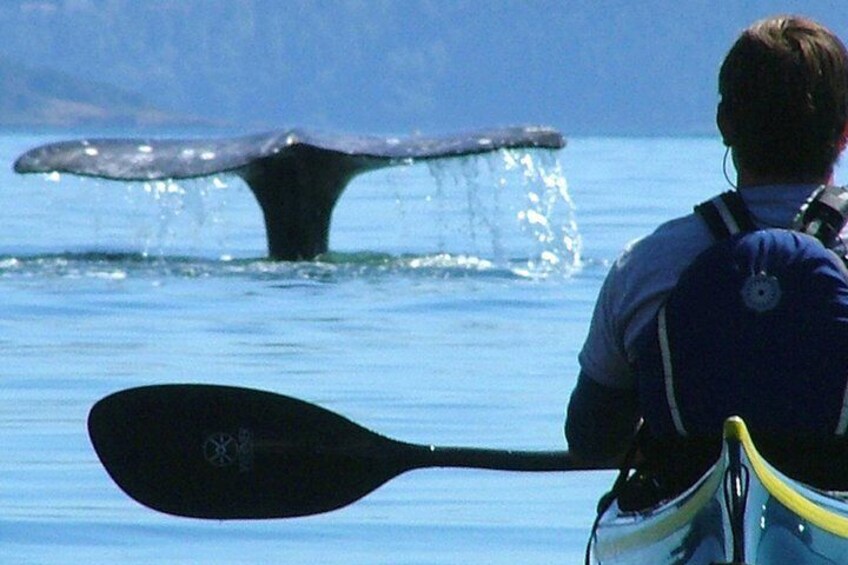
(591, 66)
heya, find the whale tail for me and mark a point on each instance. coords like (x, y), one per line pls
(297, 176)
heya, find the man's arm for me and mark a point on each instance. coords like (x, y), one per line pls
(601, 421)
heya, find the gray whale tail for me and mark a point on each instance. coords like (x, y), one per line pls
(296, 175)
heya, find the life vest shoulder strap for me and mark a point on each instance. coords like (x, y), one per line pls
(823, 215)
(726, 215)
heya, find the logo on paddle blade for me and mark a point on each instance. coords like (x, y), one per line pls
(222, 449)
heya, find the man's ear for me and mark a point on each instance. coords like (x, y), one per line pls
(843, 141)
(726, 126)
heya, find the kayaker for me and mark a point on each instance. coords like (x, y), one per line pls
(783, 116)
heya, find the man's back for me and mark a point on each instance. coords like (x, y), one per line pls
(783, 116)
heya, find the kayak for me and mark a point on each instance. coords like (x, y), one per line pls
(742, 511)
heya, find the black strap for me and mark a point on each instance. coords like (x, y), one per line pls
(627, 466)
(726, 215)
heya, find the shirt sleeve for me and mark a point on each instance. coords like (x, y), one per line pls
(601, 421)
(603, 357)
(632, 293)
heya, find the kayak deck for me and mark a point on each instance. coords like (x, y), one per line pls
(741, 511)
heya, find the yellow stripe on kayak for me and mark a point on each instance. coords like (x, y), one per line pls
(827, 520)
(662, 524)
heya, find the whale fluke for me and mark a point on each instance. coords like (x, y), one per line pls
(296, 175)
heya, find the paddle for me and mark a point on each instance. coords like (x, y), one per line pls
(225, 452)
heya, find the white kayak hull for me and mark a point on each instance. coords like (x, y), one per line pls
(742, 511)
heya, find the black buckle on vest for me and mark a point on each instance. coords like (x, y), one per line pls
(824, 214)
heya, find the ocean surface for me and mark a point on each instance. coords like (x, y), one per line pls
(450, 311)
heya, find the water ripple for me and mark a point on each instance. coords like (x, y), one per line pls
(332, 267)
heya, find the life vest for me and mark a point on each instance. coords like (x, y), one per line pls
(757, 326)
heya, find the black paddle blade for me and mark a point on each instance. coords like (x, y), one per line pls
(223, 452)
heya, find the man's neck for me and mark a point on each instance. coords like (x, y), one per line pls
(749, 180)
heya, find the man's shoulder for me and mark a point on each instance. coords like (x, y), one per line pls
(674, 240)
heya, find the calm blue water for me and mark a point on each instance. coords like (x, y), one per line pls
(450, 312)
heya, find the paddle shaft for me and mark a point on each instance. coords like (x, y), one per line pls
(420, 456)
